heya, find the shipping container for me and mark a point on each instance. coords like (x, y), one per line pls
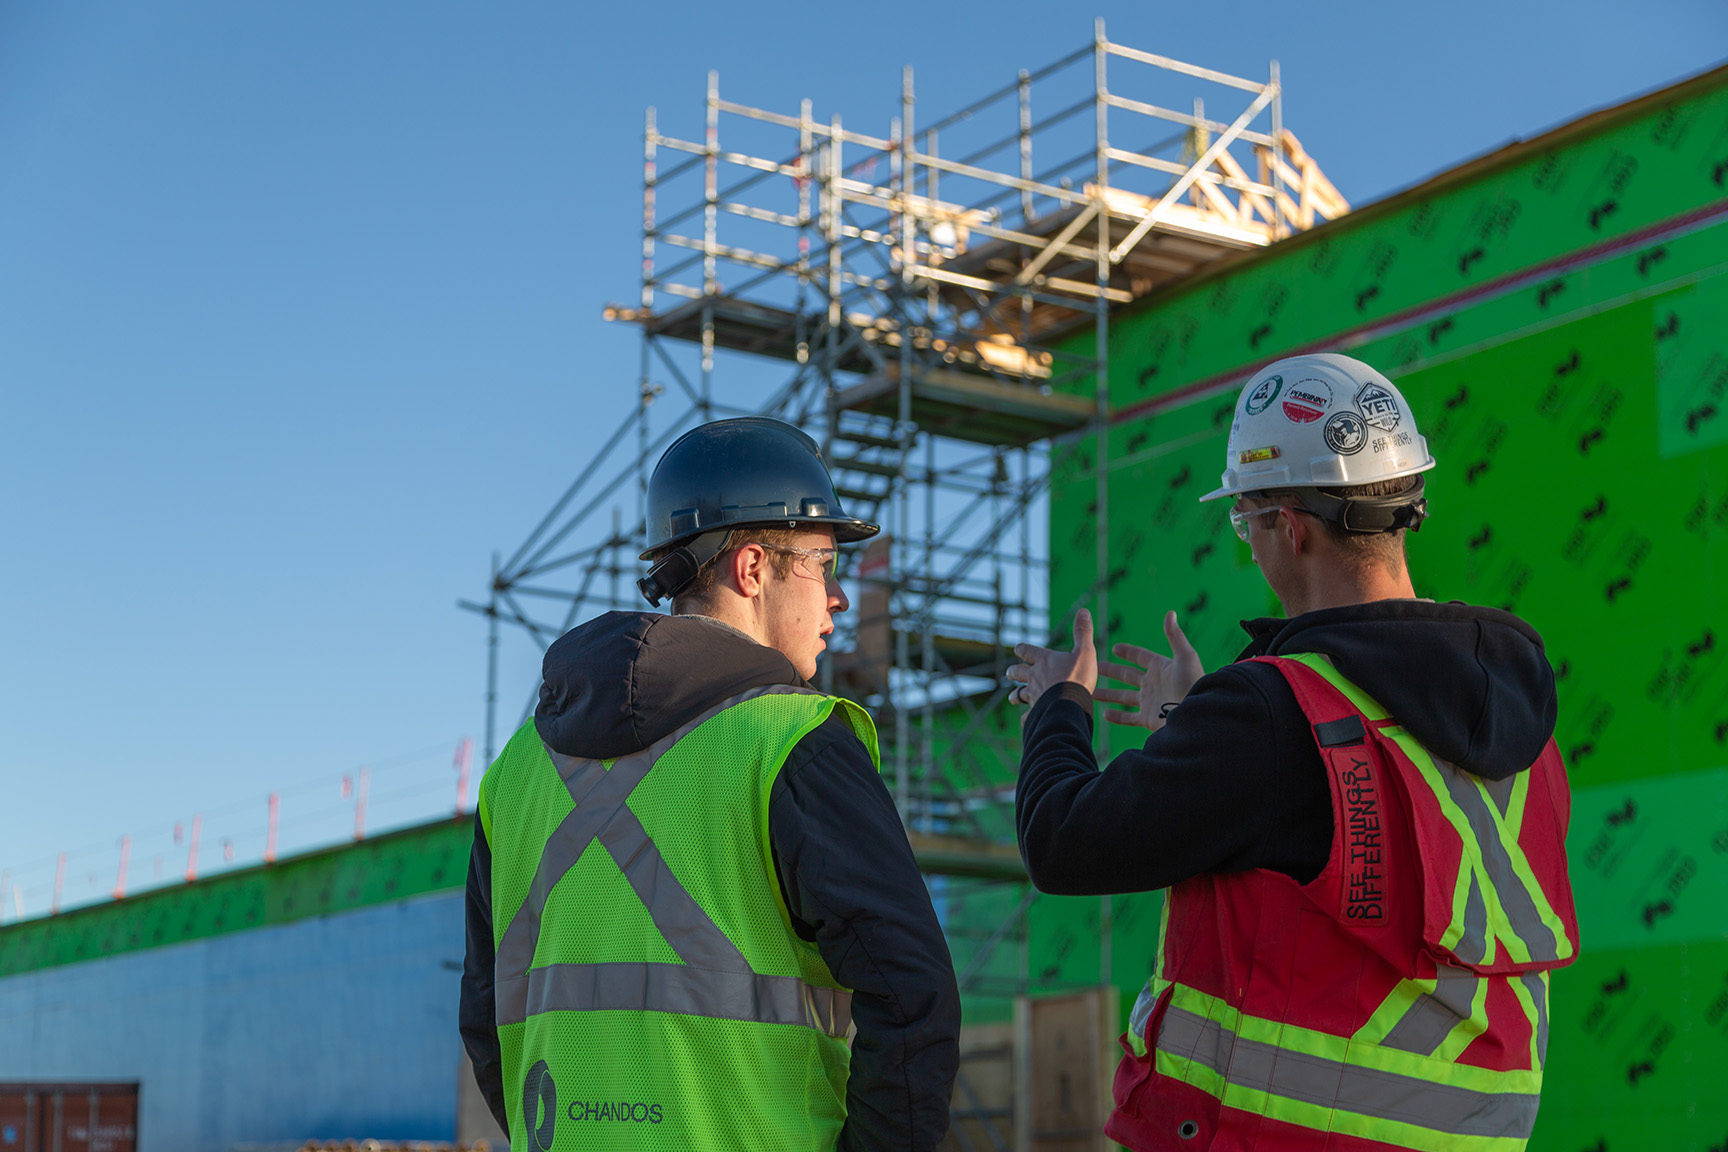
(68, 1117)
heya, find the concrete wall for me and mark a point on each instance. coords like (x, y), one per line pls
(335, 1026)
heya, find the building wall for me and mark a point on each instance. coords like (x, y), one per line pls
(1554, 314)
(311, 997)
(336, 1026)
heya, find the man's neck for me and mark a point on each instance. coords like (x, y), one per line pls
(1339, 590)
(734, 612)
(726, 624)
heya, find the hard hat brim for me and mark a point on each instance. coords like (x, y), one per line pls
(847, 530)
(1236, 487)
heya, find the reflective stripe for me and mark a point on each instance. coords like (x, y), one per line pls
(1371, 1092)
(1536, 983)
(597, 794)
(1515, 898)
(1487, 816)
(1500, 791)
(716, 979)
(1433, 1015)
(688, 929)
(1472, 944)
(1359, 700)
(679, 988)
(1148, 998)
(1143, 1005)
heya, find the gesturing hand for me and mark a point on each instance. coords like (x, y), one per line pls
(1046, 667)
(1158, 680)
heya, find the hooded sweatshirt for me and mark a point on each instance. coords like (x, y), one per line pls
(618, 683)
(1234, 781)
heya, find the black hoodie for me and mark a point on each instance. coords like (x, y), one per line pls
(623, 680)
(1234, 780)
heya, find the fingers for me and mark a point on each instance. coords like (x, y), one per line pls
(1125, 672)
(1115, 696)
(1140, 656)
(1082, 630)
(1021, 673)
(1031, 653)
(1179, 645)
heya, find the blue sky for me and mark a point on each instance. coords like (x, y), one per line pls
(300, 321)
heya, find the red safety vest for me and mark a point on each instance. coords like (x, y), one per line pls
(1400, 999)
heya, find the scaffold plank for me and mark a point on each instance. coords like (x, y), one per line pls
(973, 408)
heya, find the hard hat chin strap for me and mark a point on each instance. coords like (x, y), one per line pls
(1369, 514)
(673, 572)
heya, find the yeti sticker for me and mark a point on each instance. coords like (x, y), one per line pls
(1261, 398)
(1379, 407)
(1346, 433)
(1307, 401)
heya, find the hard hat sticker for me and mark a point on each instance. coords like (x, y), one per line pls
(1307, 401)
(1256, 455)
(1395, 441)
(1346, 433)
(1379, 407)
(1261, 398)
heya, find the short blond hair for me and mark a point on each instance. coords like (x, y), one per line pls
(1361, 550)
(697, 597)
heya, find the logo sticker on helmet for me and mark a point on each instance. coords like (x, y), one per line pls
(1261, 398)
(1379, 407)
(1307, 401)
(1346, 433)
(1256, 455)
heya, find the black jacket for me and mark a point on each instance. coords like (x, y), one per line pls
(1234, 780)
(618, 683)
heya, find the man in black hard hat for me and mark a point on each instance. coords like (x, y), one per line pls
(688, 880)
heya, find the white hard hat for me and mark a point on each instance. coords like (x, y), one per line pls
(1320, 421)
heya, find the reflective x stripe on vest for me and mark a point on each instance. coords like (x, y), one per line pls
(1389, 1074)
(714, 980)
(1440, 1017)
(1497, 899)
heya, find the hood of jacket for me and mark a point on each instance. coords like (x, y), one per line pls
(1473, 685)
(618, 683)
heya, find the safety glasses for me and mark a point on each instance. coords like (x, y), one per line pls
(1239, 518)
(827, 559)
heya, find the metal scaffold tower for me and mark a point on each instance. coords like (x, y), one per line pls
(937, 298)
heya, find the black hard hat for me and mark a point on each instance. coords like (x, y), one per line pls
(750, 471)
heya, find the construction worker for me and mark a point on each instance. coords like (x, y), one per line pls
(1361, 822)
(688, 880)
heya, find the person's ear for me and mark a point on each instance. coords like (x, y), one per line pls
(1296, 525)
(748, 569)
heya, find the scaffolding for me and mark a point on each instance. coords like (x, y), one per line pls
(941, 298)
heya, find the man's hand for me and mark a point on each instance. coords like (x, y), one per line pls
(1158, 680)
(1044, 667)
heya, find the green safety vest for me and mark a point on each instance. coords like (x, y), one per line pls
(651, 992)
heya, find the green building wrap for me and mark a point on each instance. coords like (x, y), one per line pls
(1555, 314)
(387, 868)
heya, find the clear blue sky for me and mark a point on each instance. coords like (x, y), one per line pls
(299, 321)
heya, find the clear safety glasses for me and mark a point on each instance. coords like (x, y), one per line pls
(827, 559)
(1239, 517)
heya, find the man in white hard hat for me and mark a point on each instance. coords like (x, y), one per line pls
(1361, 821)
